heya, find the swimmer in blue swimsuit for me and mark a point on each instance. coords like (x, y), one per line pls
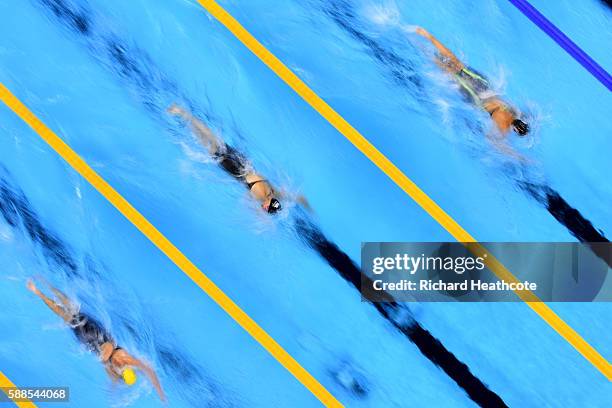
(235, 164)
(476, 88)
(117, 362)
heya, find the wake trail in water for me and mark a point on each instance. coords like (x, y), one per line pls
(18, 213)
(134, 66)
(403, 72)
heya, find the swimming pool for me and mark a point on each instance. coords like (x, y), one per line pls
(101, 74)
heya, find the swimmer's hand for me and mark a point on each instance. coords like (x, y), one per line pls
(32, 287)
(522, 159)
(300, 199)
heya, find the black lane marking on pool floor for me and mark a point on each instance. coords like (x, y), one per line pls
(154, 88)
(568, 216)
(401, 319)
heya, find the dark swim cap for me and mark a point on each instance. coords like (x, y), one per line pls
(274, 206)
(520, 127)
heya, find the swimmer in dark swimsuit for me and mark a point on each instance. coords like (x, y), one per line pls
(476, 87)
(117, 362)
(234, 163)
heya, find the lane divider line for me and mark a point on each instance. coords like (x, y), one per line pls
(6, 383)
(402, 181)
(168, 248)
(564, 42)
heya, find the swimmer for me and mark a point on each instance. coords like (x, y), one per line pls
(117, 362)
(234, 163)
(476, 87)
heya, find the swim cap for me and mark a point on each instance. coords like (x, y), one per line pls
(274, 206)
(129, 376)
(520, 127)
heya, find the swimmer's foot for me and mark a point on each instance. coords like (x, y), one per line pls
(32, 287)
(421, 31)
(176, 110)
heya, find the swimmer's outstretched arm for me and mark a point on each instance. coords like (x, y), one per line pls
(206, 136)
(55, 307)
(300, 199)
(453, 64)
(149, 373)
(304, 202)
(111, 373)
(502, 147)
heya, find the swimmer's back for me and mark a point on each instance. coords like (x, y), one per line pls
(90, 332)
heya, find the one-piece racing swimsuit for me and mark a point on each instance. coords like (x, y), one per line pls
(235, 164)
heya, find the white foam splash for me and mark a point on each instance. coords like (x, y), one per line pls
(6, 233)
(195, 155)
(534, 116)
(409, 28)
(385, 14)
(444, 108)
(499, 81)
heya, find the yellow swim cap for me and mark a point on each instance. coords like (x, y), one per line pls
(129, 376)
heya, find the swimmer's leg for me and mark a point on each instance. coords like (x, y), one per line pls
(55, 307)
(446, 59)
(206, 136)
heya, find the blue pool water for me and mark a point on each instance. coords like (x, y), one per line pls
(101, 74)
